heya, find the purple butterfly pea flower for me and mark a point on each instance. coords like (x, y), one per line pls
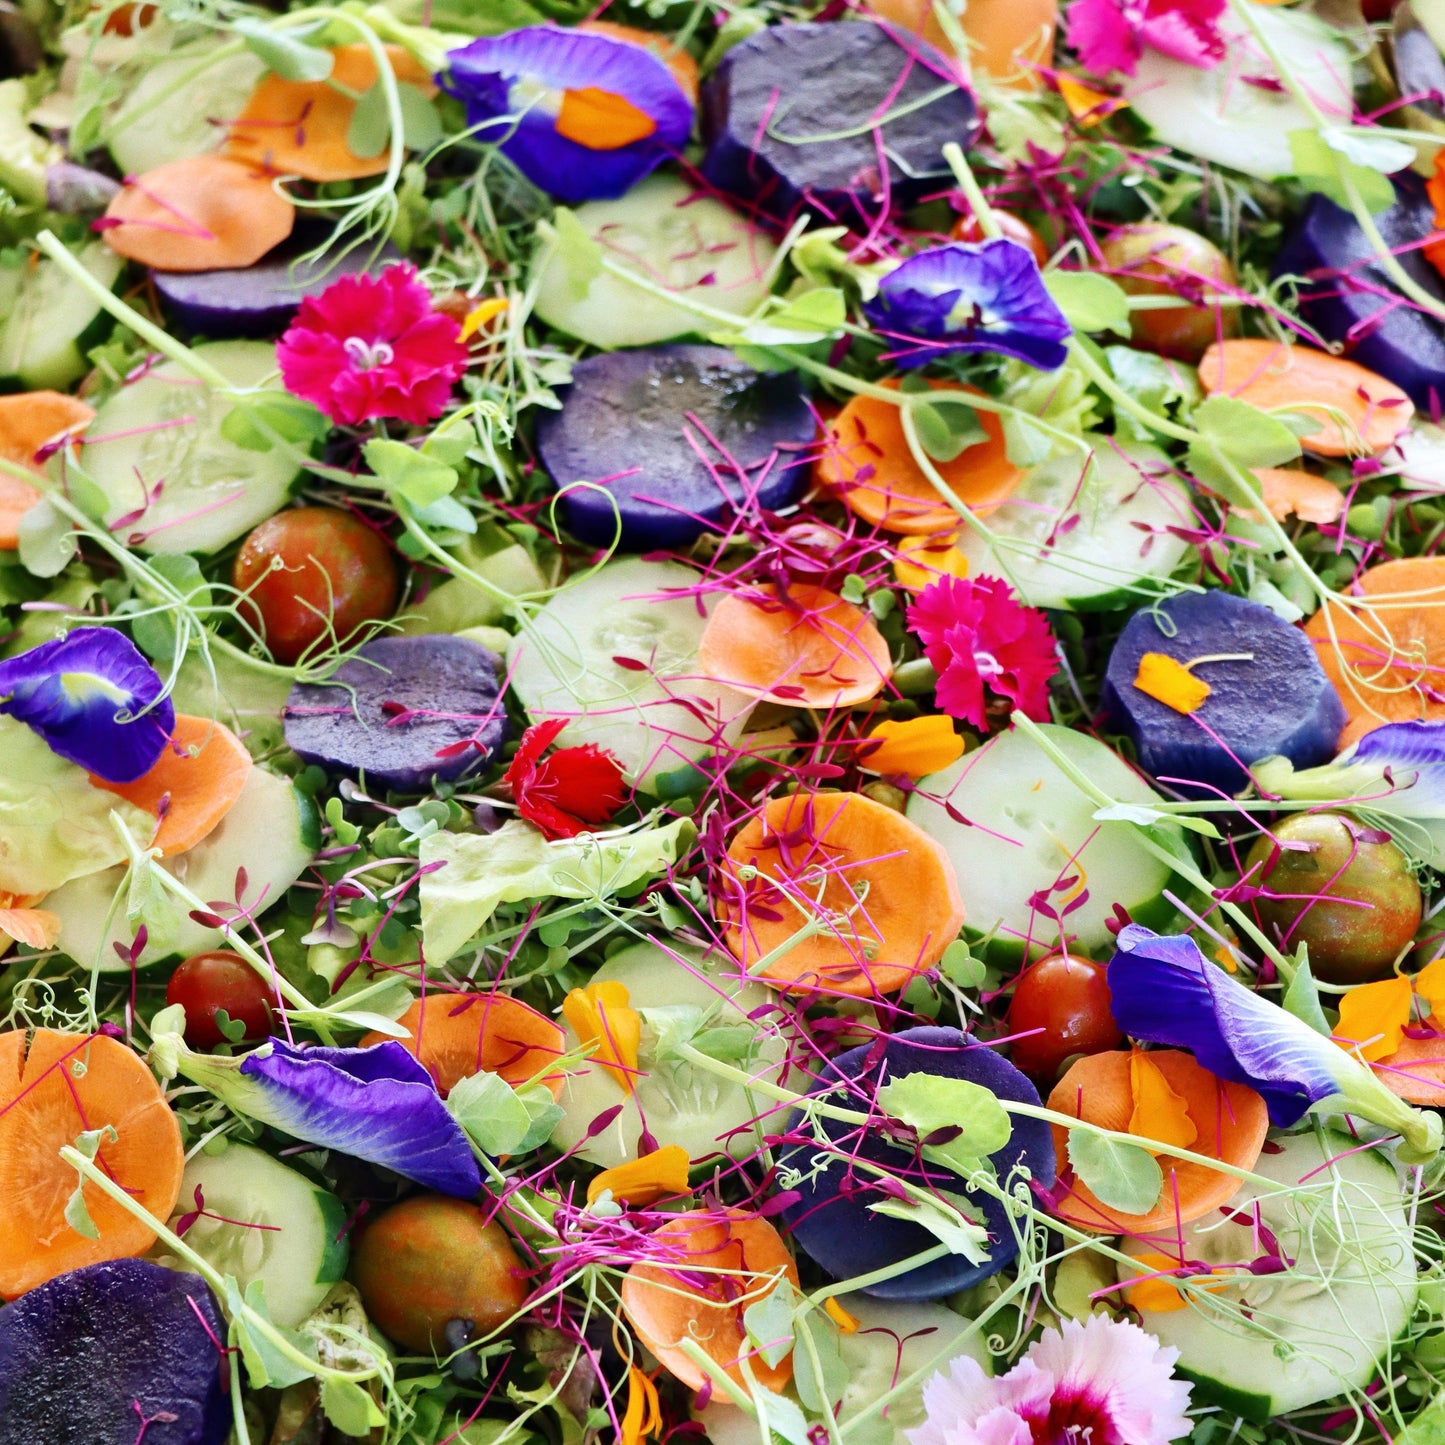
(582, 115)
(1164, 991)
(987, 296)
(94, 699)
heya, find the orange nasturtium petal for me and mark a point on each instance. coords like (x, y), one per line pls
(644, 1411)
(1171, 683)
(601, 1014)
(644, 1180)
(1430, 985)
(1159, 1113)
(1157, 1293)
(1373, 1017)
(920, 746)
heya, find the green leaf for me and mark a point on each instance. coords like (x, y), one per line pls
(48, 541)
(487, 1107)
(819, 1394)
(1427, 1428)
(421, 126)
(412, 475)
(1156, 383)
(1089, 301)
(369, 133)
(1123, 1176)
(1147, 817)
(819, 313)
(290, 57)
(960, 967)
(945, 432)
(77, 1216)
(949, 1225)
(930, 1102)
(265, 1364)
(1323, 161)
(769, 1323)
(545, 1114)
(1302, 999)
(579, 254)
(1244, 435)
(348, 1407)
(253, 418)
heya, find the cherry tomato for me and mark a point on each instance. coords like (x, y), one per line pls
(206, 982)
(1067, 1000)
(300, 565)
(1353, 900)
(966, 228)
(125, 20)
(1154, 259)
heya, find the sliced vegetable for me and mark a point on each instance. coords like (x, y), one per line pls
(220, 988)
(53, 324)
(1010, 42)
(27, 424)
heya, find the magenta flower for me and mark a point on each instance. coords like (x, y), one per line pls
(1105, 1381)
(979, 636)
(373, 346)
(1111, 35)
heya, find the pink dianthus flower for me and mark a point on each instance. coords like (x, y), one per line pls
(1112, 35)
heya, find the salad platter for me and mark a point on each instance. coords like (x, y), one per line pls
(722, 722)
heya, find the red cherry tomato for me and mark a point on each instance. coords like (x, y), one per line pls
(1067, 1000)
(966, 228)
(125, 20)
(206, 982)
(301, 565)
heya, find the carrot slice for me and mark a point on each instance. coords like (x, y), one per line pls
(1416, 1070)
(677, 60)
(457, 1035)
(300, 127)
(1357, 410)
(1387, 659)
(202, 213)
(743, 1259)
(805, 648)
(1229, 1123)
(1011, 41)
(867, 465)
(64, 1085)
(882, 892)
(27, 422)
(193, 785)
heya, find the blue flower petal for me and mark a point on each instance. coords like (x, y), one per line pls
(519, 78)
(377, 1104)
(1414, 753)
(94, 699)
(983, 297)
(1164, 991)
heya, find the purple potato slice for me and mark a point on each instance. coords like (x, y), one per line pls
(1275, 699)
(1348, 297)
(402, 711)
(77, 190)
(831, 1221)
(90, 1357)
(258, 300)
(790, 120)
(665, 430)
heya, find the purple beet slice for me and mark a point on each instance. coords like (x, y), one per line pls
(831, 1220)
(258, 300)
(677, 436)
(111, 1354)
(1273, 697)
(402, 711)
(1347, 296)
(792, 116)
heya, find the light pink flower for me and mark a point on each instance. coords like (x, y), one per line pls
(1104, 1382)
(1111, 35)
(979, 636)
(373, 346)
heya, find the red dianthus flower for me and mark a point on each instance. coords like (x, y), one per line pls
(573, 791)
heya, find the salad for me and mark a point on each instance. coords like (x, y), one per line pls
(722, 722)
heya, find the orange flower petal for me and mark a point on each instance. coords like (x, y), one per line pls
(644, 1412)
(1287, 491)
(1159, 1113)
(1171, 683)
(847, 1323)
(34, 927)
(1430, 985)
(644, 1180)
(920, 746)
(600, 1014)
(1373, 1017)
(601, 120)
(1156, 1294)
(922, 560)
(480, 314)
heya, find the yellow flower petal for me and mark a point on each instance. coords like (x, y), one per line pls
(1170, 682)
(644, 1413)
(922, 560)
(600, 1014)
(1373, 1017)
(920, 746)
(1430, 985)
(1159, 1114)
(644, 1180)
(1087, 105)
(1156, 1294)
(482, 313)
(840, 1317)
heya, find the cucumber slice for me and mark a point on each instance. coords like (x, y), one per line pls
(1262, 1345)
(174, 481)
(1219, 116)
(680, 1104)
(566, 664)
(272, 832)
(54, 322)
(246, 699)
(275, 1226)
(1087, 531)
(1031, 830)
(178, 107)
(672, 236)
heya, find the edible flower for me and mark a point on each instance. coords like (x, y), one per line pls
(1396, 771)
(987, 296)
(378, 1104)
(645, 1180)
(1164, 991)
(1102, 1380)
(602, 1014)
(22, 922)
(1169, 681)
(644, 1410)
(572, 792)
(1398, 1027)
(584, 116)
(978, 636)
(373, 346)
(94, 699)
(915, 748)
(1112, 35)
